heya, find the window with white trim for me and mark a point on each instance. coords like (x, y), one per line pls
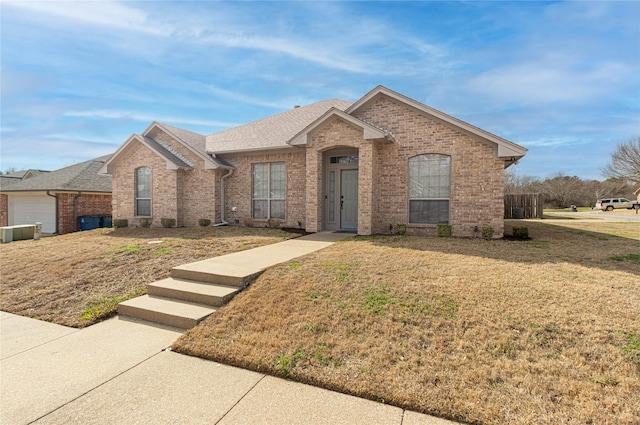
(143, 192)
(429, 188)
(269, 189)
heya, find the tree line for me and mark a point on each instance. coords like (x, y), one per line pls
(622, 178)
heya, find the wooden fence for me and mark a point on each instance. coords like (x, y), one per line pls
(531, 204)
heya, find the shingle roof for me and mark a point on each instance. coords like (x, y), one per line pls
(79, 177)
(195, 140)
(271, 132)
(166, 153)
(22, 173)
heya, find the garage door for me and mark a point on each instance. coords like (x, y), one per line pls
(30, 208)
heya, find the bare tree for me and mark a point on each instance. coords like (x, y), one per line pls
(625, 161)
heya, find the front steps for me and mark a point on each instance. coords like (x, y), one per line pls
(190, 295)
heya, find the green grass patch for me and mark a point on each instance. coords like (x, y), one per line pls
(107, 307)
(634, 258)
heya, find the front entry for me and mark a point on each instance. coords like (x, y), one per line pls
(349, 199)
(340, 184)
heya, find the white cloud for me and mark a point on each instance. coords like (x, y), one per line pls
(137, 116)
(104, 13)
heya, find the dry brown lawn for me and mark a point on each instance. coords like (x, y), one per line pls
(545, 331)
(79, 278)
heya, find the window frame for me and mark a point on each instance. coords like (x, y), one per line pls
(136, 193)
(271, 197)
(439, 198)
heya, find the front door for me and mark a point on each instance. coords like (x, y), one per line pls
(349, 199)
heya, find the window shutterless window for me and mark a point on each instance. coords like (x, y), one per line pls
(143, 192)
(429, 188)
(269, 190)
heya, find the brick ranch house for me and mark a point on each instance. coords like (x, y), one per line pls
(333, 165)
(57, 198)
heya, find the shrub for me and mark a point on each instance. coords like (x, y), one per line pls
(521, 232)
(444, 230)
(399, 229)
(274, 222)
(168, 222)
(204, 222)
(487, 232)
(119, 223)
(145, 222)
(248, 221)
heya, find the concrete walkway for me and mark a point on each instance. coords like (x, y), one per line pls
(119, 372)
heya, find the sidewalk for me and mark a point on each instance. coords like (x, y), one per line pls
(118, 372)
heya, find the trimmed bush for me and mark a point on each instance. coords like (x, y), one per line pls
(399, 229)
(274, 222)
(444, 230)
(248, 221)
(487, 232)
(521, 232)
(168, 222)
(119, 223)
(204, 222)
(145, 222)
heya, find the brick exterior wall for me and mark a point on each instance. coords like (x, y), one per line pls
(239, 190)
(477, 176)
(4, 210)
(86, 204)
(186, 195)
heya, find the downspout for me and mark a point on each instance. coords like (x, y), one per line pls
(222, 221)
(54, 196)
(75, 211)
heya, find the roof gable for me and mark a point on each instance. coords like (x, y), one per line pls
(506, 149)
(194, 142)
(370, 132)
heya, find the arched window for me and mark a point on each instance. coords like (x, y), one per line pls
(143, 192)
(429, 188)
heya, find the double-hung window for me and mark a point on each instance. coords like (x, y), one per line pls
(269, 188)
(429, 188)
(143, 192)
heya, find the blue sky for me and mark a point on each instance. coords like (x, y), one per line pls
(78, 78)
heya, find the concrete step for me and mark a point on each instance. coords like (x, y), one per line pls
(216, 271)
(179, 314)
(196, 292)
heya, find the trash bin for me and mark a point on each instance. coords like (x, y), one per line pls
(89, 222)
(518, 213)
(106, 221)
(574, 208)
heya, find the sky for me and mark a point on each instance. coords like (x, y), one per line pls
(561, 79)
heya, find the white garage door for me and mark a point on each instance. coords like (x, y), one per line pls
(30, 208)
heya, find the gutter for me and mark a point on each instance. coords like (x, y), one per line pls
(57, 209)
(222, 220)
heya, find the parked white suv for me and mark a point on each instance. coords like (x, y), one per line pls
(610, 204)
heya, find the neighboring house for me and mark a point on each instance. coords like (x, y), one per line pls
(56, 198)
(333, 165)
(637, 193)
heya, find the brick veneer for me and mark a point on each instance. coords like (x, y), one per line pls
(86, 204)
(238, 187)
(477, 176)
(186, 195)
